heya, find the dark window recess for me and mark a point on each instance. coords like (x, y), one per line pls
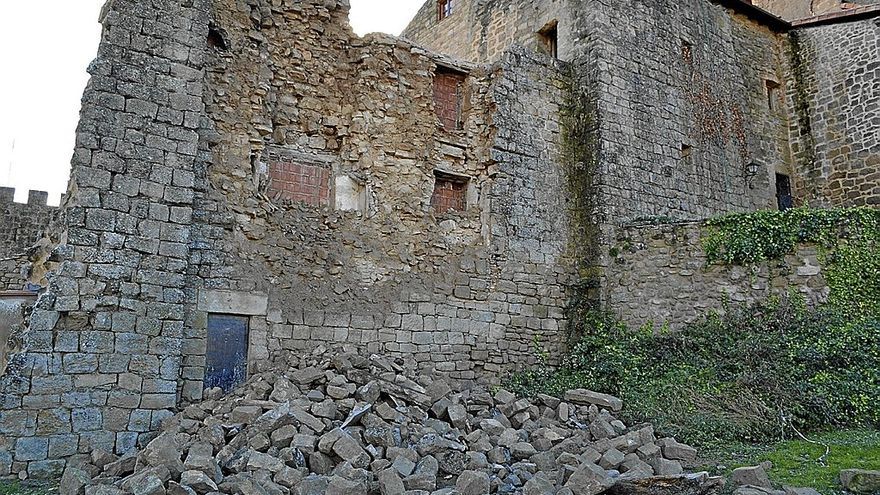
(550, 39)
(450, 193)
(687, 51)
(685, 151)
(216, 39)
(226, 357)
(449, 97)
(444, 8)
(783, 192)
(772, 94)
(686, 155)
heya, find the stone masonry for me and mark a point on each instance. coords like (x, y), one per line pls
(659, 274)
(690, 109)
(836, 129)
(257, 161)
(168, 220)
(102, 354)
(805, 9)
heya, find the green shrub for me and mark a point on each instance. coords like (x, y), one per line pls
(849, 240)
(744, 376)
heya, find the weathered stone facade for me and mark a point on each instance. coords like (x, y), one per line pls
(102, 356)
(836, 101)
(257, 160)
(659, 274)
(698, 104)
(482, 31)
(691, 109)
(805, 9)
(168, 220)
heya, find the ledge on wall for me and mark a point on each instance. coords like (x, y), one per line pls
(848, 15)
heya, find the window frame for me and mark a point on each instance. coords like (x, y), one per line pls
(445, 8)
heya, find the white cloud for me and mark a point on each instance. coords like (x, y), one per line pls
(45, 55)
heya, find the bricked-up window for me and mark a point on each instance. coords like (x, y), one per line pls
(444, 9)
(450, 193)
(295, 181)
(449, 97)
(772, 94)
(549, 37)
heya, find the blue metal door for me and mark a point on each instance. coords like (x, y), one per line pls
(226, 359)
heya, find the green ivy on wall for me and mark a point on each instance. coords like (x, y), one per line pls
(849, 240)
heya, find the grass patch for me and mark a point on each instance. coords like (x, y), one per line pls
(19, 488)
(795, 461)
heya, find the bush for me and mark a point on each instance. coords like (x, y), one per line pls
(744, 376)
(848, 239)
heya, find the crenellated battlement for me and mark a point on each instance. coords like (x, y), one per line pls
(21, 224)
(35, 198)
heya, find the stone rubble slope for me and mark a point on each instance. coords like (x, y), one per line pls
(344, 423)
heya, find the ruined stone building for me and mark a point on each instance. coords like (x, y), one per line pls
(252, 179)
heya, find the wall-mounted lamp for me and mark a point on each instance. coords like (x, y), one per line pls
(750, 171)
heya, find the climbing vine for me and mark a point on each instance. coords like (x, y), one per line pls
(849, 240)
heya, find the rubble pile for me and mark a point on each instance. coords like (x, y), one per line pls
(344, 423)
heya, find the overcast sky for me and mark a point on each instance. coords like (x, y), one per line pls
(44, 74)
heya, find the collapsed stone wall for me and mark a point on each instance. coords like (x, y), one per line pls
(659, 274)
(835, 131)
(169, 217)
(465, 291)
(21, 225)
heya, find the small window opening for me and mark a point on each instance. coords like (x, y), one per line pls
(444, 8)
(685, 153)
(449, 100)
(450, 193)
(549, 36)
(687, 51)
(772, 94)
(783, 192)
(216, 39)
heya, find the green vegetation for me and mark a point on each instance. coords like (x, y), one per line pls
(795, 462)
(752, 374)
(848, 237)
(16, 488)
(749, 376)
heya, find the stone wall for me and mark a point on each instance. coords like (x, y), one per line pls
(168, 219)
(659, 274)
(802, 9)
(101, 357)
(21, 225)
(683, 109)
(482, 31)
(836, 132)
(177, 210)
(465, 291)
(682, 97)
